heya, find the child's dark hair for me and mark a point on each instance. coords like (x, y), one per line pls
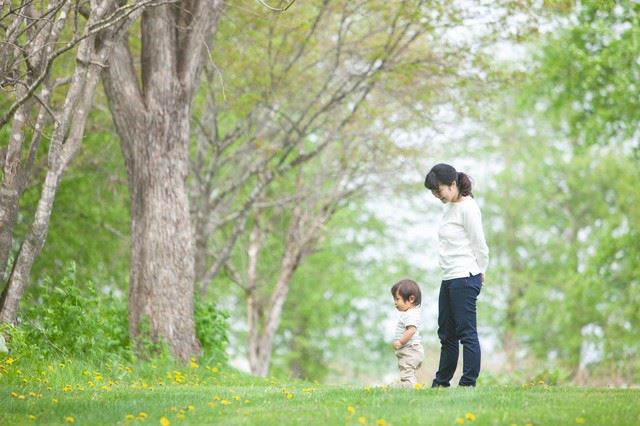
(444, 174)
(407, 288)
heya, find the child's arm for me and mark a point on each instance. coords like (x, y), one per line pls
(406, 336)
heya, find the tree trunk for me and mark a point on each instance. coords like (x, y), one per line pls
(11, 189)
(152, 114)
(162, 267)
(290, 262)
(29, 250)
(253, 308)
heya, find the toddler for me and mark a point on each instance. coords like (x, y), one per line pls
(407, 342)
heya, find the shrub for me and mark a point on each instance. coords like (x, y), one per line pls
(69, 320)
(211, 330)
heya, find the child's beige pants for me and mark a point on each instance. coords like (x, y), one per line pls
(409, 360)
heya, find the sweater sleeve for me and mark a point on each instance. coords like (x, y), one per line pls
(472, 221)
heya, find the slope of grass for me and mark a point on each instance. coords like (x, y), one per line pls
(70, 392)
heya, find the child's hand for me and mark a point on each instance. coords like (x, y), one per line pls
(396, 344)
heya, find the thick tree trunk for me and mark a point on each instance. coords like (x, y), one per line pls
(152, 114)
(162, 268)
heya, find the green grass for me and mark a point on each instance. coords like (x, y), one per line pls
(200, 395)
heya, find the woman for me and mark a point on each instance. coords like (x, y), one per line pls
(463, 256)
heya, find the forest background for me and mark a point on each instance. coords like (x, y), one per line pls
(263, 190)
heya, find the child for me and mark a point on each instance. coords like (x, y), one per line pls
(407, 297)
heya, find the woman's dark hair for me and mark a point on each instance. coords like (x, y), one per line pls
(444, 174)
(407, 288)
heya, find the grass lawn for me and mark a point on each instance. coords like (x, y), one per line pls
(64, 394)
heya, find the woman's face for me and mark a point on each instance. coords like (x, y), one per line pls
(446, 193)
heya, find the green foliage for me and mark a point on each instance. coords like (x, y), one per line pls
(70, 320)
(562, 223)
(67, 319)
(589, 73)
(211, 331)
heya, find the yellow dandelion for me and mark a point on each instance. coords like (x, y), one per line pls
(14, 394)
(580, 420)
(541, 382)
(225, 402)
(247, 401)
(459, 421)
(142, 415)
(212, 404)
(31, 418)
(351, 410)
(237, 398)
(54, 400)
(191, 408)
(216, 398)
(417, 386)
(180, 415)
(9, 361)
(470, 416)
(67, 388)
(381, 422)
(69, 419)
(164, 421)
(362, 420)
(129, 417)
(367, 388)
(289, 395)
(33, 394)
(21, 397)
(194, 364)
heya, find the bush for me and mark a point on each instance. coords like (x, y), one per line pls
(67, 320)
(72, 321)
(211, 330)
